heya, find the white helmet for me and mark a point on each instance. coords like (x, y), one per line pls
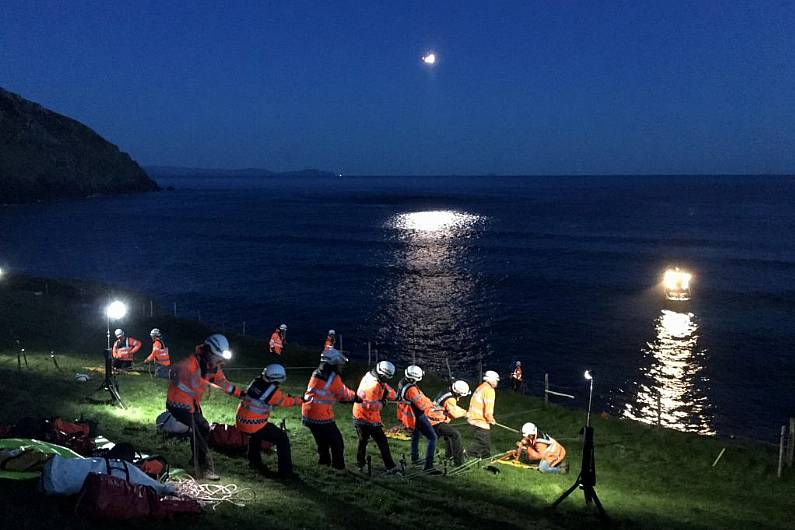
(460, 388)
(529, 429)
(385, 369)
(155, 333)
(518, 363)
(491, 376)
(414, 373)
(332, 332)
(283, 327)
(218, 346)
(119, 333)
(274, 373)
(333, 357)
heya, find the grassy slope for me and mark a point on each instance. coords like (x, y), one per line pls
(647, 478)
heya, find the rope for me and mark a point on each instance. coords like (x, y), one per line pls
(213, 494)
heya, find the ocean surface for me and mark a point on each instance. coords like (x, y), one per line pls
(562, 273)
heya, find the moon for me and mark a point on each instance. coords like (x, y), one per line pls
(429, 58)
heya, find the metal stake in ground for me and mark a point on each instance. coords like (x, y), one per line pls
(586, 480)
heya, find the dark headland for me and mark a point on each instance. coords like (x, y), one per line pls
(45, 155)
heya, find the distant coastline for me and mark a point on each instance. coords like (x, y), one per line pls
(193, 172)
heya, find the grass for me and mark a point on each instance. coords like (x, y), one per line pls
(647, 478)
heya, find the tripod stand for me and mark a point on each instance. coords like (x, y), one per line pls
(110, 384)
(586, 480)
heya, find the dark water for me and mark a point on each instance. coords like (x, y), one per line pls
(562, 273)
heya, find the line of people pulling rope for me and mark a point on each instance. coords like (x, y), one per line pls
(425, 418)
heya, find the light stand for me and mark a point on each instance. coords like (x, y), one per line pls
(115, 311)
(586, 480)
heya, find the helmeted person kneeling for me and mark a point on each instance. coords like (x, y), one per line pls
(262, 395)
(536, 446)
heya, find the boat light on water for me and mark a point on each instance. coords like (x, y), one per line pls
(677, 284)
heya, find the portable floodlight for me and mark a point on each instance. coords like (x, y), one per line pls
(114, 311)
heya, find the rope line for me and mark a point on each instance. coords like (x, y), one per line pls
(213, 494)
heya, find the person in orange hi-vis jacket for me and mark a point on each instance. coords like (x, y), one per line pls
(261, 397)
(331, 339)
(516, 377)
(324, 390)
(540, 447)
(447, 409)
(159, 354)
(481, 414)
(278, 340)
(374, 393)
(124, 350)
(190, 379)
(409, 393)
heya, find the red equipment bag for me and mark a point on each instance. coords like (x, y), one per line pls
(109, 497)
(226, 438)
(155, 466)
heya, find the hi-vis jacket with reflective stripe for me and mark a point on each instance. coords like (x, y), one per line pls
(373, 393)
(544, 447)
(159, 353)
(190, 379)
(517, 373)
(124, 349)
(411, 394)
(258, 401)
(445, 409)
(325, 388)
(276, 344)
(481, 407)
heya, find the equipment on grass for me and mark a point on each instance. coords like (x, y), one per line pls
(109, 383)
(586, 480)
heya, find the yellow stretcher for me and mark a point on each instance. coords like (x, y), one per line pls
(398, 433)
(510, 460)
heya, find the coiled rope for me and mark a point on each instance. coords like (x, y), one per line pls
(213, 494)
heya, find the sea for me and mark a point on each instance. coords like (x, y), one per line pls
(461, 274)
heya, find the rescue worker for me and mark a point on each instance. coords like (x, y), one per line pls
(124, 350)
(541, 447)
(326, 388)
(409, 392)
(331, 338)
(278, 340)
(374, 393)
(262, 395)
(159, 354)
(190, 379)
(481, 414)
(516, 377)
(447, 409)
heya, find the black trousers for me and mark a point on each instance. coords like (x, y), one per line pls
(452, 442)
(120, 363)
(516, 384)
(376, 432)
(330, 446)
(481, 447)
(276, 436)
(201, 432)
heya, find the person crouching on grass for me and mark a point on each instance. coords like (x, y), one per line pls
(540, 447)
(262, 395)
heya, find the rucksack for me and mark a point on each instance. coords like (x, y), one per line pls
(155, 466)
(227, 439)
(167, 423)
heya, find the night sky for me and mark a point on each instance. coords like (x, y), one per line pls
(519, 87)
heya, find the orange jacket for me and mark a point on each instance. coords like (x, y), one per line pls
(329, 342)
(445, 409)
(481, 407)
(258, 401)
(517, 373)
(373, 393)
(124, 349)
(190, 379)
(413, 396)
(325, 388)
(544, 447)
(277, 343)
(159, 353)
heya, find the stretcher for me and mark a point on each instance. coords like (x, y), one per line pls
(398, 433)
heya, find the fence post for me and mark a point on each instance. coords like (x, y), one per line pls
(369, 351)
(546, 389)
(659, 409)
(791, 444)
(244, 328)
(151, 309)
(781, 450)
(481, 371)
(341, 343)
(175, 309)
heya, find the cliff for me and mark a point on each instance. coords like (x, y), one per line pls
(45, 155)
